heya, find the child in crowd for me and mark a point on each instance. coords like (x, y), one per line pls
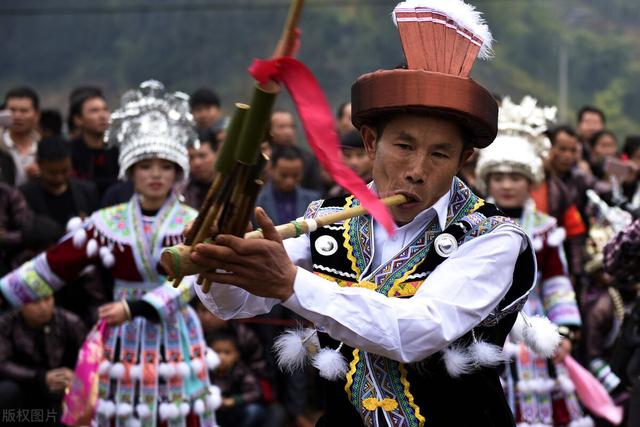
(239, 386)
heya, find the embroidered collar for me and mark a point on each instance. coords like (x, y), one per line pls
(440, 207)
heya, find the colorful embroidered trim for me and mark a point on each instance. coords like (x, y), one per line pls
(357, 270)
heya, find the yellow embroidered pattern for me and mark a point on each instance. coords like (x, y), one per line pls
(405, 384)
(352, 371)
(347, 243)
(387, 404)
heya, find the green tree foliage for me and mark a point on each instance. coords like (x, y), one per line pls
(59, 44)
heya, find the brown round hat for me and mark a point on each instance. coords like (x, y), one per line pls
(418, 91)
(441, 40)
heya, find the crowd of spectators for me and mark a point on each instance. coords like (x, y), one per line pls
(52, 170)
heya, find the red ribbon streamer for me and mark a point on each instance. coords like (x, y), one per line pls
(319, 127)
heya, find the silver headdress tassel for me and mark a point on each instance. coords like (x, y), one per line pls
(521, 143)
(152, 124)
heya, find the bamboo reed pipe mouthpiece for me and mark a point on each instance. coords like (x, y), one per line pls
(177, 262)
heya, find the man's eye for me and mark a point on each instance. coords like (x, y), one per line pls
(403, 146)
(440, 155)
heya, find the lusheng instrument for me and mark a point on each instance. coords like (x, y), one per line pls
(177, 262)
(231, 198)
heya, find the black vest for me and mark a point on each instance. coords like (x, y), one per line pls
(476, 399)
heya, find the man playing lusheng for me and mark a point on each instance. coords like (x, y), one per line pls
(421, 316)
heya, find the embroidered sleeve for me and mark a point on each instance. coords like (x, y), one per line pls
(168, 301)
(558, 296)
(49, 271)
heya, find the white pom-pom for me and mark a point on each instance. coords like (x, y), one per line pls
(291, 353)
(211, 359)
(117, 371)
(167, 370)
(103, 251)
(133, 422)
(538, 244)
(198, 407)
(143, 410)
(525, 386)
(566, 384)
(124, 409)
(135, 372)
(163, 411)
(457, 360)
(74, 224)
(537, 385)
(331, 364)
(183, 369)
(197, 365)
(109, 409)
(556, 237)
(92, 248)
(107, 258)
(517, 331)
(214, 398)
(100, 407)
(486, 354)
(173, 411)
(511, 349)
(549, 384)
(185, 408)
(542, 336)
(582, 422)
(79, 238)
(104, 367)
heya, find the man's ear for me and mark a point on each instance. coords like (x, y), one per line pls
(369, 137)
(466, 154)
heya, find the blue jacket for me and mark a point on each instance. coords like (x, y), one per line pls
(267, 201)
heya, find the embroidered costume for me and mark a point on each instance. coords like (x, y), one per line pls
(410, 327)
(539, 391)
(154, 367)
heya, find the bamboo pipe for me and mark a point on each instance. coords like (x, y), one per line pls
(176, 259)
(223, 166)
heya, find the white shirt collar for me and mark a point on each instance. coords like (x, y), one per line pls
(440, 207)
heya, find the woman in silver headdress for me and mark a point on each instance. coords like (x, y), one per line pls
(155, 360)
(538, 388)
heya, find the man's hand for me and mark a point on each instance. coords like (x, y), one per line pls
(261, 266)
(113, 313)
(58, 379)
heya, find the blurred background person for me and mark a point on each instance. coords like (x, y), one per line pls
(283, 133)
(39, 344)
(56, 194)
(343, 119)
(91, 159)
(21, 138)
(202, 159)
(282, 197)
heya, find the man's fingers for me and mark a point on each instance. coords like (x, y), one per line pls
(212, 252)
(224, 278)
(268, 229)
(239, 245)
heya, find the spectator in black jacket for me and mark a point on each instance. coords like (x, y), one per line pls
(56, 194)
(38, 350)
(91, 159)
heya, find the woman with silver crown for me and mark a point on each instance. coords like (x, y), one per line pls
(154, 367)
(538, 388)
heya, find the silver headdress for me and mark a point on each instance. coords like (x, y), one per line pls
(521, 143)
(151, 123)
